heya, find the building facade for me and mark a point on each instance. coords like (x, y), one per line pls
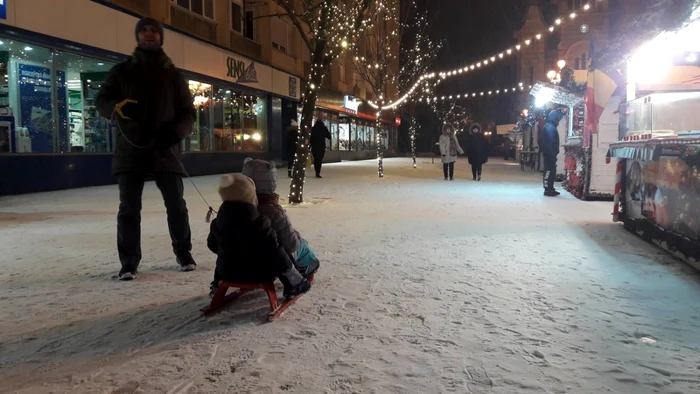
(572, 42)
(244, 72)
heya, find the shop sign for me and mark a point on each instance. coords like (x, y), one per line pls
(238, 70)
(351, 104)
(3, 9)
(397, 121)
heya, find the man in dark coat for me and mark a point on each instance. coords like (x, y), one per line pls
(154, 111)
(319, 135)
(549, 146)
(292, 137)
(477, 150)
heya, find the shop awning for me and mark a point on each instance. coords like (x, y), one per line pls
(647, 149)
(555, 94)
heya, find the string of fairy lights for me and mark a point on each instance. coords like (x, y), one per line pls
(340, 34)
(487, 61)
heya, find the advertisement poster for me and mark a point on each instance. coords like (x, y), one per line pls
(672, 192)
(35, 106)
(634, 188)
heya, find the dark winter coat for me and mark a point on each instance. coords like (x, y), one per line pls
(167, 108)
(292, 137)
(477, 147)
(246, 245)
(269, 207)
(319, 135)
(549, 137)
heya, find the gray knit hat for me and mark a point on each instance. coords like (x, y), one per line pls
(263, 173)
(150, 22)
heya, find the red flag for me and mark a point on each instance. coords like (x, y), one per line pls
(600, 90)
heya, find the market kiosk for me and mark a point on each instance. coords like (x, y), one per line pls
(657, 194)
(583, 166)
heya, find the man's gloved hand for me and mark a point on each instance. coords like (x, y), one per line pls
(129, 109)
(166, 137)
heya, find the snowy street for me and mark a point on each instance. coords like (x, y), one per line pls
(425, 286)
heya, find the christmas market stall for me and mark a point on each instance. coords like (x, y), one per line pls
(589, 126)
(548, 97)
(658, 186)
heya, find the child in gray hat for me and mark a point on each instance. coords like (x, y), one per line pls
(264, 174)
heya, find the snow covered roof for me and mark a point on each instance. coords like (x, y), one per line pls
(559, 95)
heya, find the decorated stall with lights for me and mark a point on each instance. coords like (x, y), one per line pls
(548, 97)
(582, 163)
(658, 186)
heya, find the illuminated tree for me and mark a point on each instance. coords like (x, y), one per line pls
(395, 54)
(327, 28)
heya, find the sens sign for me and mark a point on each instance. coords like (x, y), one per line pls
(3, 9)
(236, 68)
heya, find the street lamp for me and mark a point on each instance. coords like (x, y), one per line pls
(555, 76)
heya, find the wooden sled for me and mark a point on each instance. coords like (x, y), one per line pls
(221, 300)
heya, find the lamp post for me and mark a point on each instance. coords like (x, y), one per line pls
(555, 76)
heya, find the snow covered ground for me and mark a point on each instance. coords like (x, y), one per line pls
(426, 286)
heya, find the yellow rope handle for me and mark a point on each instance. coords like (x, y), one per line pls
(118, 108)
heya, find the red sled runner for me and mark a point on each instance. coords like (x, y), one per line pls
(221, 300)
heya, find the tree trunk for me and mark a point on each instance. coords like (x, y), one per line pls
(380, 154)
(318, 65)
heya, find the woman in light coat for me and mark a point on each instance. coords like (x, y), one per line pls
(449, 148)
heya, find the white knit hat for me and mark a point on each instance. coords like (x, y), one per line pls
(238, 188)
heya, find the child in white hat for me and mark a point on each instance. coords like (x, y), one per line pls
(247, 247)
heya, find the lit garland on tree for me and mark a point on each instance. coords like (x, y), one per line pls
(376, 59)
(327, 28)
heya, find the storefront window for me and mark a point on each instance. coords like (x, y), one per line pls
(370, 138)
(254, 123)
(27, 99)
(384, 138)
(355, 137)
(78, 82)
(344, 128)
(239, 121)
(200, 138)
(334, 133)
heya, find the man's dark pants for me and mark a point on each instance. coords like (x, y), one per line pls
(318, 159)
(550, 172)
(129, 217)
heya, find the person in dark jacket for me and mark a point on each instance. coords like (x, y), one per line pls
(246, 246)
(152, 106)
(477, 150)
(549, 146)
(292, 137)
(319, 135)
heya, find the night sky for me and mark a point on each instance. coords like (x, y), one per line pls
(473, 29)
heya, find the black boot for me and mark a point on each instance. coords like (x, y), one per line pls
(294, 283)
(186, 262)
(309, 269)
(127, 273)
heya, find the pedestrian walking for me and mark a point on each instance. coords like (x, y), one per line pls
(154, 111)
(319, 135)
(449, 148)
(292, 138)
(549, 146)
(477, 150)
